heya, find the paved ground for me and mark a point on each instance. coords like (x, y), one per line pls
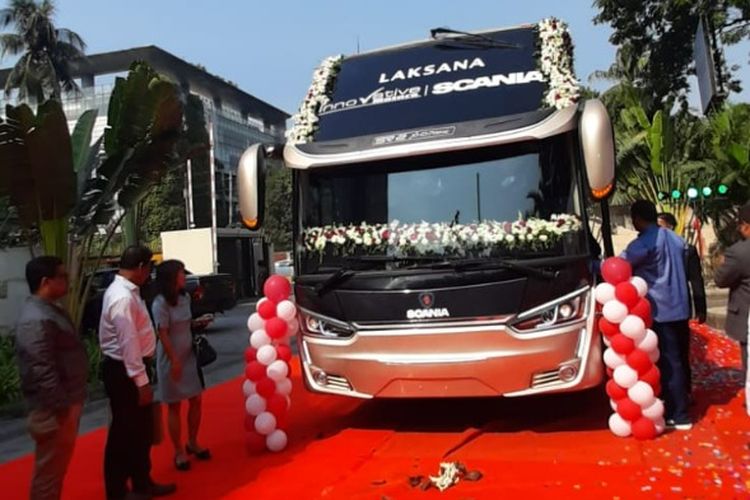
(228, 335)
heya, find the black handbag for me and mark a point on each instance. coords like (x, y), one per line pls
(204, 352)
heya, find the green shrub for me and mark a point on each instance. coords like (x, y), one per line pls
(10, 380)
(94, 356)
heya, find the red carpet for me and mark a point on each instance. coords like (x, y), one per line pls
(547, 447)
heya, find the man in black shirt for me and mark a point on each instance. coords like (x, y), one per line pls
(696, 287)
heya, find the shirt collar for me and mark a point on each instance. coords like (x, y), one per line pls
(126, 283)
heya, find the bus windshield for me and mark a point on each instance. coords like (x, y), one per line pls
(519, 201)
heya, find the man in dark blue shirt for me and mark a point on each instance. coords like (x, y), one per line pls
(658, 256)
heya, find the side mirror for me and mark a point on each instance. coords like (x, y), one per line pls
(251, 186)
(598, 146)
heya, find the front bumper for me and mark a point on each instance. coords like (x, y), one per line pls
(454, 360)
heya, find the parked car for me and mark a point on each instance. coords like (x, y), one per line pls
(210, 294)
(284, 268)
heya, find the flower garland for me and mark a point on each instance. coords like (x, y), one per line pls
(556, 61)
(319, 93)
(440, 238)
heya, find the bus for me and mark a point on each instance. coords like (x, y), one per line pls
(442, 201)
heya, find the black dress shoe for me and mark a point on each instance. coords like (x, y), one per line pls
(161, 490)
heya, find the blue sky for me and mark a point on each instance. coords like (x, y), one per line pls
(270, 48)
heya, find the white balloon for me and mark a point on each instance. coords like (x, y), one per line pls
(653, 355)
(604, 292)
(277, 440)
(615, 311)
(606, 341)
(660, 425)
(288, 402)
(642, 394)
(633, 327)
(284, 386)
(255, 322)
(286, 310)
(265, 423)
(619, 426)
(649, 342)
(293, 327)
(277, 371)
(625, 376)
(248, 387)
(612, 359)
(259, 338)
(640, 285)
(255, 404)
(613, 405)
(266, 354)
(655, 411)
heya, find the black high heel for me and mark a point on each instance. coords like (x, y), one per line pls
(181, 464)
(204, 454)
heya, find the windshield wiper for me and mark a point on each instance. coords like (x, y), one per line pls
(495, 263)
(347, 271)
(470, 39)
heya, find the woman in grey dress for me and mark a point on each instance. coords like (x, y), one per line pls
(177, 369)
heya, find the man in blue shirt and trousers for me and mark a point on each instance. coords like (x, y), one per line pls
(658, 256)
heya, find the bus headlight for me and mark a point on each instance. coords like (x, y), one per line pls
(564, 310)
(323, 326)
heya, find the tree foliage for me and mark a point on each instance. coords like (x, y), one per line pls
(655, 42)
(278, 217)
(43, 68)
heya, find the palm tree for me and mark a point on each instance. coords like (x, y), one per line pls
(45, 51)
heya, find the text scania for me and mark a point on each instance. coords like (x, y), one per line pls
(431, 69)
(465, 84)
(440, 312)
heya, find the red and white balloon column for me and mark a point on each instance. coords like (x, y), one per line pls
(267, 387)
(631, 354)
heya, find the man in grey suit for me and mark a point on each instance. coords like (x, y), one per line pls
(733, 272)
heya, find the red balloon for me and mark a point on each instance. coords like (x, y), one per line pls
(284, 352)
(255, 371)
(657, 389)
(277, 288)
(267, 310)
(610, 371)
(626, 293)
(643, 428)
(643, 310)
(615, 392)
(276, 328)
(251, 354)
(255, 442)
(616, 270)
(607, 328)
(276, 405)
(652, 377)
(265, 387)
(282, 421)
(639, 361)
(628, 410)
(622, 344)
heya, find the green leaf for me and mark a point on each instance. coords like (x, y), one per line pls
(81, 138)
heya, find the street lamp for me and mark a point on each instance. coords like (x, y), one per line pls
(692, 193)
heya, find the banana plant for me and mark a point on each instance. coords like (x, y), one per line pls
(654, 158)
(68, 188)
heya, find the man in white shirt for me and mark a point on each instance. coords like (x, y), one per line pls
(128, 341)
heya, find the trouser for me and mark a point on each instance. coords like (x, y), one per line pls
(54, 432)
(743, 355)
(127, 452)
(684, 341)
(674, 385)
